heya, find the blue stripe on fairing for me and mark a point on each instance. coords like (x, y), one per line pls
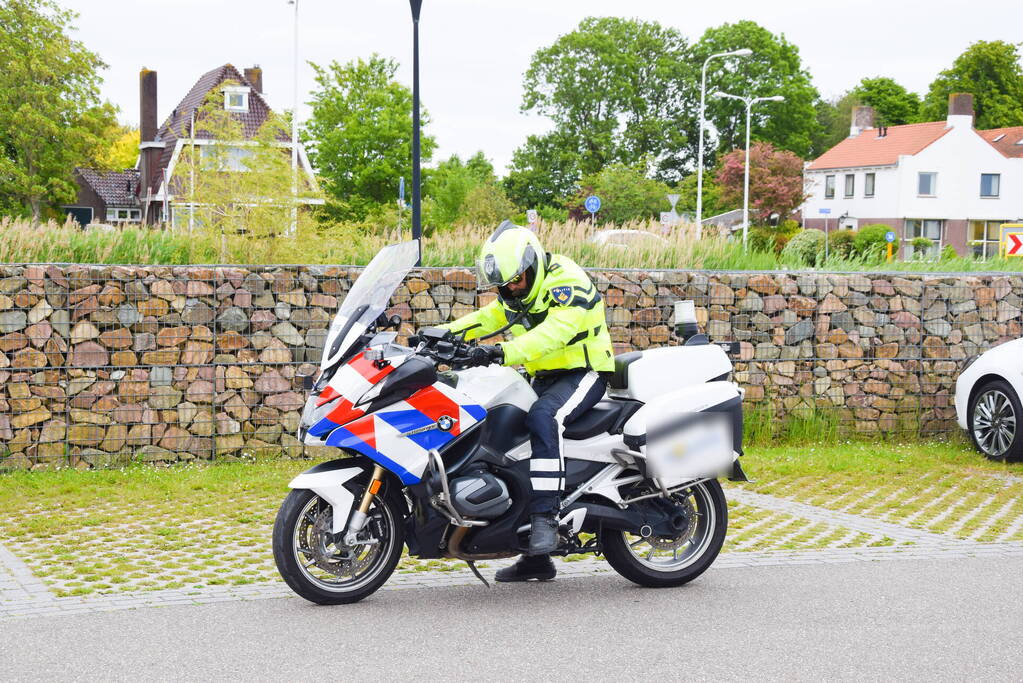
(476, 412)
(405, 420)
(433, 438)
(342, 438)
(322, 427)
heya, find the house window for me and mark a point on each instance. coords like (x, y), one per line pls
(850, 184)
(990, 184)
(225, 157)
(111, 215)
(829, 187)
(124, 215)
(927, 184)
(931, 229)
(868, 184)
(984, 238)
(236, 98)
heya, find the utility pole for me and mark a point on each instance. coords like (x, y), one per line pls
(417, 227)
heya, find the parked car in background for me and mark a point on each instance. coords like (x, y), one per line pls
(987, 400)
(623, 239)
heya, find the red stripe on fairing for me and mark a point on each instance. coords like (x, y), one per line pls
(370, 372)
(432, 403)
(344, 412)
(364, 429)
(327, 395)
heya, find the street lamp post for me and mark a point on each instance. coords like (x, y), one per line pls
(417, 230)
(294, 129)
(744, 52)
(749, 102)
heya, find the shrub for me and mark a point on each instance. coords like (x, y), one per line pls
(949, 253)
(870, 241)
(840, 243)
(806, 247)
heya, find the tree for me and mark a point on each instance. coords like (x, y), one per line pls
(465, 193)
(774, 68)
(359, 136)
(122, 150)
(991, 71)
(626, 194)
(893, 104)
(51, 116)
(776, 183)
(237, 185)
(616, 92)
(543, 172)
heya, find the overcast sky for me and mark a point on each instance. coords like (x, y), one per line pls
(474, 52)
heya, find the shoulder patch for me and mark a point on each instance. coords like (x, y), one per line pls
(561, 294)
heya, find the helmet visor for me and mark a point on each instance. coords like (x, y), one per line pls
(497, 272)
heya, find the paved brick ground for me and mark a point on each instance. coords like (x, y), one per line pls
(22, 595)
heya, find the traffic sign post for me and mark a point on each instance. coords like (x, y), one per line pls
(890, 239)
(1011, 238)
(592, 205)
(825, 212)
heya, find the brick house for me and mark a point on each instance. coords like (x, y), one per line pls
(160, 147)
(943, 180)
(106, 197)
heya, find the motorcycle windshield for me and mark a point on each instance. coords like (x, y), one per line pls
(368, 298)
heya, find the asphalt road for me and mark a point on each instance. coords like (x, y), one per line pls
(928, 620)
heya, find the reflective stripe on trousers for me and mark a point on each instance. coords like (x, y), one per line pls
(562, 398)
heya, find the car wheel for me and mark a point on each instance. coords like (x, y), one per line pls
(994, 421)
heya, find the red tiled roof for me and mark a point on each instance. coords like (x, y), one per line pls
(867, 149)
(115, 188)
(1010, 142)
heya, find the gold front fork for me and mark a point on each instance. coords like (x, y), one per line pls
(375, 482)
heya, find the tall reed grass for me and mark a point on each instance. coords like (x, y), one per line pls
(24, 242)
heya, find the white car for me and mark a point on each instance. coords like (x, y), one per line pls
(987, 399)
(618, 238)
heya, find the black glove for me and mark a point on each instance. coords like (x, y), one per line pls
(485, 354)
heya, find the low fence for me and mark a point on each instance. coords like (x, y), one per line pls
(101, 365)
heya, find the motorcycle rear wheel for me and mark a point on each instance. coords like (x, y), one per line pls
(318, 566)
(667, 562)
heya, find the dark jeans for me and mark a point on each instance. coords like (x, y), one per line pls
(562, 398)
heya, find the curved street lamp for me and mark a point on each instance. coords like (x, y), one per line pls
(744, 52)
(417, 229)
(749, 102)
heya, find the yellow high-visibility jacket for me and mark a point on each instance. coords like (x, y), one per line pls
(564, 329)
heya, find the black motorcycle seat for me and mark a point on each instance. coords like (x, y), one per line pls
(605, 417)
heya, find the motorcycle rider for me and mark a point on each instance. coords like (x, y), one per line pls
(559, 333)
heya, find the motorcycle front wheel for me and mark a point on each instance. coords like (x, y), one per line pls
(665, 561)
(317, 564)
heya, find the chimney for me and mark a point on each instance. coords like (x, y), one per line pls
(254, 76)
(147, 105)
(960, 109)
(862, 119)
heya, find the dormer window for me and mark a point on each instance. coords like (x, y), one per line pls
(236, 98)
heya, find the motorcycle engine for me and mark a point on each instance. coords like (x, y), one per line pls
(480, 495)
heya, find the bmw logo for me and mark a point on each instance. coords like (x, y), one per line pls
(445, 423)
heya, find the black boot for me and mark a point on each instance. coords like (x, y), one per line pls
(543, 534)
(528, 567)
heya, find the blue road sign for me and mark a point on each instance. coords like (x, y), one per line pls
(889, 236)
(824, 212)
(592, 203)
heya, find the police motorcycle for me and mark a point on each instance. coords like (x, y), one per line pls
(436, 456)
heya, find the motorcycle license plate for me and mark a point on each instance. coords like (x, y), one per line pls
(690, 445)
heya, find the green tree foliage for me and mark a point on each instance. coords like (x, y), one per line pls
(616, 90)
(465, 193)
(774, 68)
(711, 195)
(543, 171)
(359, 136)
(122, 150)
(841, 243)
(776, 183)
(626, 194)
(51, 115)
(870, 240)
(991, 71)
(239, 186)
(893, 104)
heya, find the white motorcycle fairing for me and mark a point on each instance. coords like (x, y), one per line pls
(330, 486)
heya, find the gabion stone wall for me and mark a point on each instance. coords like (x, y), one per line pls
(102, 365)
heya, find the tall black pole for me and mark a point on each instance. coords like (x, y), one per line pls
(417, 228)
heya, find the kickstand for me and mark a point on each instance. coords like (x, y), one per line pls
(472, 566)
